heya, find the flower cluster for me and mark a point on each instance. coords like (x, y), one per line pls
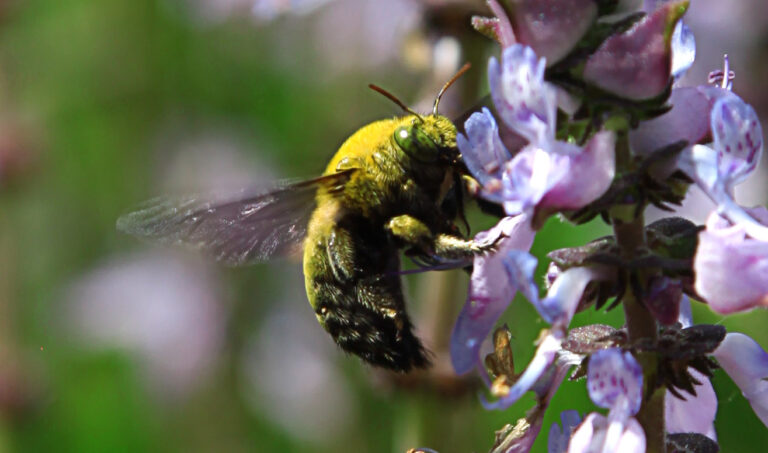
(588, 119)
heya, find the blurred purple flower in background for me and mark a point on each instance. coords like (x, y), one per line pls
(164, 308)
(288, 371)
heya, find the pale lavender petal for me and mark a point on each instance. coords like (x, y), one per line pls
(688, 120)
(563, 297)
(554, 178)
(593, 436)
(525, 102)
(683, 43)
(584, 176)
(592, 429)
(636, 64)
(701, 163)
(552, 27)
(615, 380)
(491, 291)
(545, 387)
(747, 364)
(738, 139)
(528, 177)
(695, 414)
(542, 360)
(559, 437)
(686, 314)
(730, 268)
(632, 439)
(481, 148)
(683, 50)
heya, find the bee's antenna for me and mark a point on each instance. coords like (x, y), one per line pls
(458, 74)
(394, 99)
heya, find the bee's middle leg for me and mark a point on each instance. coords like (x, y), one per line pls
(417, 234)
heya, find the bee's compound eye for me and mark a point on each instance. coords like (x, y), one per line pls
(404, 139)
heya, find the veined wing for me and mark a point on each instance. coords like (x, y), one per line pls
(234, 229)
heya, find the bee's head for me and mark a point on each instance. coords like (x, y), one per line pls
(426, 139)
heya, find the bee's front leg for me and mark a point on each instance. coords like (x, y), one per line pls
(417, 234)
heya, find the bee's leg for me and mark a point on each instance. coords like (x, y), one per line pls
(341, 254)
(444, 246)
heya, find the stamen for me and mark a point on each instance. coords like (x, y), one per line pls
(718, 77)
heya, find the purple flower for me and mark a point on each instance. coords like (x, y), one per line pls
(545, 174)
(687, 120)
(637, 64)
(593, 436)
(491, 289)
(694, 414)
(551, 27)
(730, 266)
(615, 382)
(521, 439)
(735, 153)
(566, 291)
(496, 278)
(683, 43)
(747, 364)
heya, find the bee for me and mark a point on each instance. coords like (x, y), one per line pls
(394, 184)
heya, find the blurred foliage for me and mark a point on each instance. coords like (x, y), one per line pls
(96, 85)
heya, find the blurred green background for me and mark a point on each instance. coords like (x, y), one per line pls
(108, 344)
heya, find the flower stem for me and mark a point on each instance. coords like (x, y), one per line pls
(630, 237)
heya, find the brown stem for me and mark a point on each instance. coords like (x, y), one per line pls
(630, 237)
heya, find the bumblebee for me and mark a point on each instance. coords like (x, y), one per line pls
(392, 185)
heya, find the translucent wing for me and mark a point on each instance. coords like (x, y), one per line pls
(235, 229)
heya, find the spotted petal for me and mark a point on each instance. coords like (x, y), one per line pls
(738, 139)
(615, 380)
(526, 103)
